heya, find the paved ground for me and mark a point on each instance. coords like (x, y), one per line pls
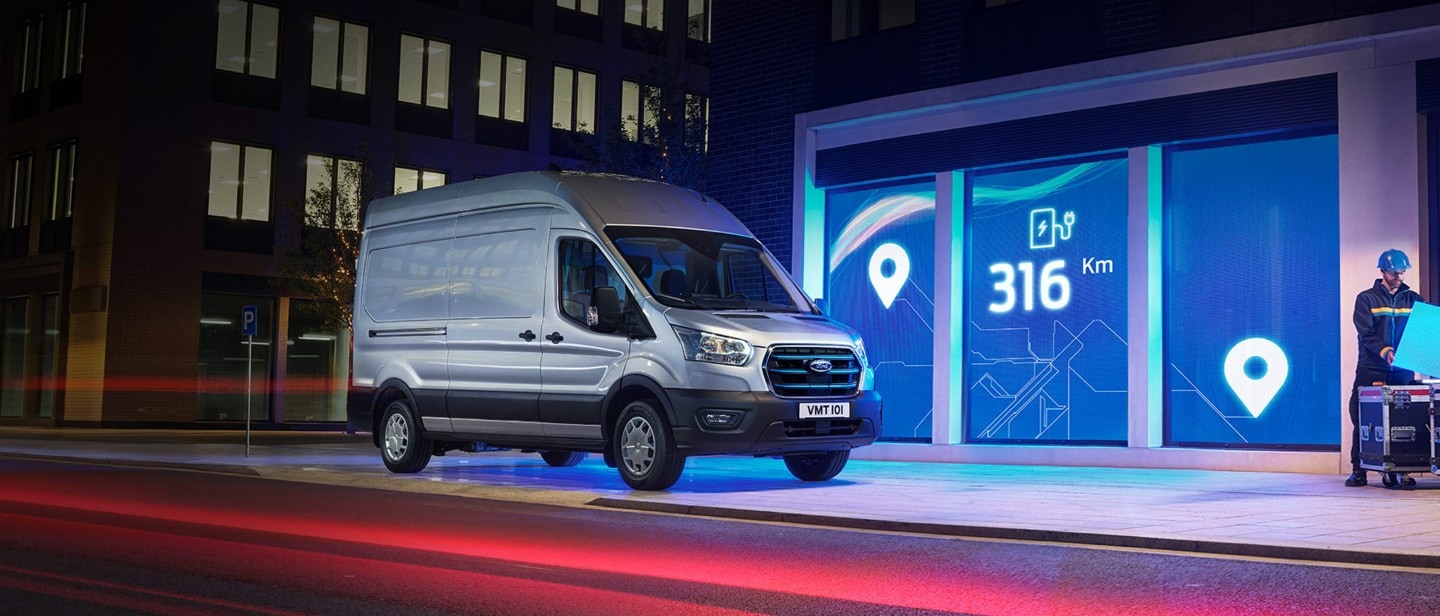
(1289, 516)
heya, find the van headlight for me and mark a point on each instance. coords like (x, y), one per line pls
(716, 349)
(860, 352)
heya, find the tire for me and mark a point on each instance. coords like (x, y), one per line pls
(817, 466)
(645, 448)
(403, 447)
(562, 458)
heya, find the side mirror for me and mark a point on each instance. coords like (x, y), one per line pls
(605, 305)
(823, 304)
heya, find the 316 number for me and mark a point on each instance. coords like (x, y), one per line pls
(1052, 287)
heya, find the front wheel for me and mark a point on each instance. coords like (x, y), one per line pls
(403, 447)
(645, 449)
(817, 466)
(562, 458)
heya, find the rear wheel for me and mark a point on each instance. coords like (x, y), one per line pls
(817, 466)
(403, 447)
(645, 448)
(562, 458)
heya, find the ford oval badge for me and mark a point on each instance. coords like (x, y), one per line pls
(819, 366)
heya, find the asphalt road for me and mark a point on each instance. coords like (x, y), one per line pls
(93, 539)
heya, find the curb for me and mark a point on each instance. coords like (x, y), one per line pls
(1289, 553)
(229, 469)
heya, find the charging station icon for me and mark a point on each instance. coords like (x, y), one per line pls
(1045, 230)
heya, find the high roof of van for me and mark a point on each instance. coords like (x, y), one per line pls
(600, 199)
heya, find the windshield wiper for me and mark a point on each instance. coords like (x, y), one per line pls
(678, 299)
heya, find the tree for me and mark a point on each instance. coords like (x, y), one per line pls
(323, 268)
(665, 143)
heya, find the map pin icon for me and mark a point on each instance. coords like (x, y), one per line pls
(1256, 393)
(887, 287)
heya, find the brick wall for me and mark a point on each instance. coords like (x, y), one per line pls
(762, 74)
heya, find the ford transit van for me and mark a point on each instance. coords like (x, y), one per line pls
(569, 313)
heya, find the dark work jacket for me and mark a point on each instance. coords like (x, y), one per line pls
(1380, 321)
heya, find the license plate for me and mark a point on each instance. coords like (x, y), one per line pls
(824, 410)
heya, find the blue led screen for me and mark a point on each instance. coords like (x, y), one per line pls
(1046, 303)
(880, 261)
(1251, 293)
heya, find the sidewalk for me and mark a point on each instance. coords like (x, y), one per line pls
(1273, 515)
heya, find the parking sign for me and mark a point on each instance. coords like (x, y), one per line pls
(249, 317)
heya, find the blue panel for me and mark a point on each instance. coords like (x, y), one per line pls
(1252, 293)
(1418, 350)
(1305, 102)
(880, 261)
(1047, 286)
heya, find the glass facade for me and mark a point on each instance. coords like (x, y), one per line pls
(1244, 231)
(317, 367)
(12, 356)
(225, 354)
(49, 353)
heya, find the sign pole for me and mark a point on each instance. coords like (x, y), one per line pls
(249, 368)
(249, 319)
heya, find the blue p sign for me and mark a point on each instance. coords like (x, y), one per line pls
(249, 318)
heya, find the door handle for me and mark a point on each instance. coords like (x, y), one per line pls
(555, 337)
(527, 335)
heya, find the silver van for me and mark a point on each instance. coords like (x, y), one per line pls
(567, 313)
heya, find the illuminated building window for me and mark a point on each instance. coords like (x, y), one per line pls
(697, 20)
(17, 190)
(332, 192)
(27, 51)
(645, 13)
(340, 56)
(502, 86)
(247, 38)
(60, 181)
(408, 179)
(424, 72)
(573, 107)
(71, 46)
(239, 181)
(638, 103)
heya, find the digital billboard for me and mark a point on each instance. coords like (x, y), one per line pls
(1046, 303)
(1251, 292)
(881, 280)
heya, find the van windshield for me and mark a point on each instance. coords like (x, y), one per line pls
(705, 270)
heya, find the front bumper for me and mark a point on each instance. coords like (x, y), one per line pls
(770, 425)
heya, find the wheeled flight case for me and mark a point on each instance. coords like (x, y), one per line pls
(1397, 428)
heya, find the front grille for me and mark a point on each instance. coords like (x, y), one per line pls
(791, 376)
(822, 427)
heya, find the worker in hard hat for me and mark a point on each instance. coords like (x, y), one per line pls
(1380, 315)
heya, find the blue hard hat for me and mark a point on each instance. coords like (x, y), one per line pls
(1394, 259)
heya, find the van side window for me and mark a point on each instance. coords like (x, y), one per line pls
(583, 268)
(496, 275)
(407, 283)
